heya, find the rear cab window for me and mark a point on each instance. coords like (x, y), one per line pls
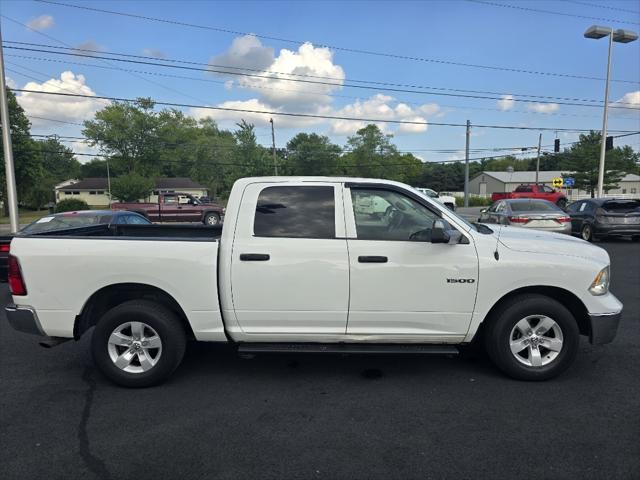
(296, 212)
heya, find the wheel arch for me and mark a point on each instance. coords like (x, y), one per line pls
(565, 297)
(113, 295)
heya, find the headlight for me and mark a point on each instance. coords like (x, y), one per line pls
(600, 284)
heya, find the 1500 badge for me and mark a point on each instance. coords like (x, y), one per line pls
(461, 280)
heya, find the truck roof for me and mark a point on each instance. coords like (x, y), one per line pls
(301, 179)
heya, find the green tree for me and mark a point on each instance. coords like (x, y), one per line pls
(26, 158)
(582, 162)
(97, 167)
(131, 187)
(312, 154)
(128, 133)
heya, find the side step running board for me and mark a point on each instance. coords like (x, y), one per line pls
(350, 348)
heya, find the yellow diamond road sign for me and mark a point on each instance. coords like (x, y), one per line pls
(557, 182)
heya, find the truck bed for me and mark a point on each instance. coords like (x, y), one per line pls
(156, 232)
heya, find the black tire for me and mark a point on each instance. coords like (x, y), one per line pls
(164, 322)
(211, 219)
(498, 336)
(586, 232)
(562, 203)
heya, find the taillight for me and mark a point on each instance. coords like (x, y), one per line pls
(4, 248)
(564, 219)
(518, 219)
(601, 216)
(16, 282)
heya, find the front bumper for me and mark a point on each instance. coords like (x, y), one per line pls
(24, 319)
(603, 327)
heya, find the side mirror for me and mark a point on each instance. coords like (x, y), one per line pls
(440, 233)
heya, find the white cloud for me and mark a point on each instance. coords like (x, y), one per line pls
(245, 52)
(258, 119)
(152, 52)
(506, 103)
(274, 87)
(42, 22)
(60, 107)
(382, 107)
(88, 45)
(629, 100)
(11, 83)
(543, 107)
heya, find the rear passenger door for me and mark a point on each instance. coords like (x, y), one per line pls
(290, 266)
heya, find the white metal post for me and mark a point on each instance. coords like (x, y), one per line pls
(466, 165)
(604, 120)
(11, 197)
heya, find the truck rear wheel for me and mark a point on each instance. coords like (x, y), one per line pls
(532, 337)
(211, 219)
(139, 343)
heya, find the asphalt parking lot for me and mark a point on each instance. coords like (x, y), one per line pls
(302, 416)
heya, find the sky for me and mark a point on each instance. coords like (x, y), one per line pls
(423, 62)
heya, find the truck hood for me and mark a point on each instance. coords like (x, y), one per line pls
(534, 241)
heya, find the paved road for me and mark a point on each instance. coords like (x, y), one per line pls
(326, 417)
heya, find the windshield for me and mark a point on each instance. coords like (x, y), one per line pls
(67, 220)
(534, 206)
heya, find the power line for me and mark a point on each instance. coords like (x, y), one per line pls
(595, 5)
(333, 47)
(550, 12)
(210, 68)
(310, 115)
(303, 92)
(103, 60)
(366, 87)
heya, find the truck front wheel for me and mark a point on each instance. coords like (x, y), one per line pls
(211, 219)
(532, 337)
(138, 343)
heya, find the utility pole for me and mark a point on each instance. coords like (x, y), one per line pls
(538, 158)
(108, 180)
(466, 166)
(273, 142)
(11, 197)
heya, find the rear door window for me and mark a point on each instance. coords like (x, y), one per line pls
(296, 212)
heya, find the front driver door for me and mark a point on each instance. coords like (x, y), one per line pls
(401, 283)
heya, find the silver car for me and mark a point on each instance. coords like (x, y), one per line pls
(528, 213)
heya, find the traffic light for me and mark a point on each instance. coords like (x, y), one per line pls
(556, 145)
(609, 144)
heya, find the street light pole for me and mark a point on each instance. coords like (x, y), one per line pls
(538, 158)
(620, 36)
(604, 120)
(11, 197)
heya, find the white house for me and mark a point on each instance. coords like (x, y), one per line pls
(95, 191)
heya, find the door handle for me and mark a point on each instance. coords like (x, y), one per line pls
(254, 257)
(372, 259)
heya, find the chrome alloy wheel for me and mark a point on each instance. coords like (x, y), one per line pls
(134, 347)
(536, 340)
(212, 220)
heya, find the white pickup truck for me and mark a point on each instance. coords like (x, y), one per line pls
(299, 266)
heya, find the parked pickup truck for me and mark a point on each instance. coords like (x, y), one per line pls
(299, 266)
(532, 190)
(176, 207)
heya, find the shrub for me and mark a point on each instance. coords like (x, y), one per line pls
(131, 187)
(474, 201)
(71, 205)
